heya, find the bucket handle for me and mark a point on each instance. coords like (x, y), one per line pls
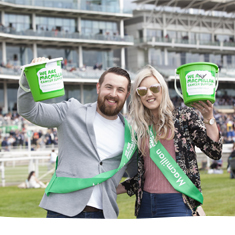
(20, 83)
(176, 89)
(217, 80)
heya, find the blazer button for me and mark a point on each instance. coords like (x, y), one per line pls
(101, 163)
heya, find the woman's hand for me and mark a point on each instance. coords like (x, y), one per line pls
(206, 109)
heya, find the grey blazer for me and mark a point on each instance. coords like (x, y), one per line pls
(77, 153)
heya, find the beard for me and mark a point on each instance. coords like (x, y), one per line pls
(109, 110)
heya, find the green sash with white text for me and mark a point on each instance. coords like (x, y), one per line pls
(171, 170)
(67, 184)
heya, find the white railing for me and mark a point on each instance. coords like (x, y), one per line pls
(15, 166)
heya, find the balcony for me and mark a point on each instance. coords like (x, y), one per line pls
(70, 74)
(64, 38)
(65, 5)
(185, 43)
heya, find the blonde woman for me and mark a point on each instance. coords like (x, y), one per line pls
(178, 131)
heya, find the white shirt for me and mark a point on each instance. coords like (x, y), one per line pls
(53, 157)
(109, 140)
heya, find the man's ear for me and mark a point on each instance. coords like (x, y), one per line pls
(98, 88)
(127, 95)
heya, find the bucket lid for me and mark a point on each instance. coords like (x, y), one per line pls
(42, 62)
(197, 63)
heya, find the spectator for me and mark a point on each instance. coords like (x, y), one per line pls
(53, 157)
(230, 131)
(34, 182)
(5, 144)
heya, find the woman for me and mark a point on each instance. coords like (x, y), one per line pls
(179, 131)
(34, 182)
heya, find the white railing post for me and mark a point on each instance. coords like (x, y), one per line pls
(36, 168)
(3, 174)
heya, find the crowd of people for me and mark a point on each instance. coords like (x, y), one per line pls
(13, 133)
(40, 138)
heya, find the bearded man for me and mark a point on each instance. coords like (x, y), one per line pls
(90, 145)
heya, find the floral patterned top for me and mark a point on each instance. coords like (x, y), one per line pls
(190, 131)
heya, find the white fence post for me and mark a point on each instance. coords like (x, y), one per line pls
(3, 174)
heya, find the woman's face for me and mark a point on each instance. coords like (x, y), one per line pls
(151, 100)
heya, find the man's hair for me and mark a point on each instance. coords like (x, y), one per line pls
(118, 71)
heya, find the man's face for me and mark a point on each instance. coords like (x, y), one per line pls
(111, 95)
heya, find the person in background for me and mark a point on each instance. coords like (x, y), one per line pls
(53, 157)
(155, 122)
(33, 182)
(231, 157)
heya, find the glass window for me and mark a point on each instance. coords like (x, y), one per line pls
(222, 38)
(205, 36)
(58, 21)
(183, 58)
(206, 57)
(172, 34)
(52, 23)
(104, 58)
(18, 55)
(71, 91)
(12, 95)
(216, 59)
(98, 27)
(173, 59)
(72, 54)
(90, 94)
(1, 97)
(156, 57)
(192, 57)
(0, 53)
(17, 22)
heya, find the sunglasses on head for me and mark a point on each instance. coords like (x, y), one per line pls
(142, 91)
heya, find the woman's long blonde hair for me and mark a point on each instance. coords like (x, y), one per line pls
(141, 117)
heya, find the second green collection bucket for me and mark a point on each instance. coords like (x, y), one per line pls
(198, 82)
(44, 78)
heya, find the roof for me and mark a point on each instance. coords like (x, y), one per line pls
(207, 5)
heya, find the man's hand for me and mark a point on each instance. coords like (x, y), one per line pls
(39, 59)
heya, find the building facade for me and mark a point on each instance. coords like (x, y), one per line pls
(88, 35)
(168, 34)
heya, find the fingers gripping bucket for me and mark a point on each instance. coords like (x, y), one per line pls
(44, 78)
(198, 82)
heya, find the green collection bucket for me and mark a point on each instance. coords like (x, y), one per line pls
(198, 82)
(44, 78)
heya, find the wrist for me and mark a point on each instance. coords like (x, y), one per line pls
(209, 121)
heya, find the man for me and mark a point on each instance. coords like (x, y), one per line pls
(91, 140)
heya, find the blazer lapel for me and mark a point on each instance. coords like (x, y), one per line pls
(90, 116)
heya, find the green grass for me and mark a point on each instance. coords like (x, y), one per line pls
(218, 192)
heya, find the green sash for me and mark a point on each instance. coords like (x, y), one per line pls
(171, 170)
(67, 184)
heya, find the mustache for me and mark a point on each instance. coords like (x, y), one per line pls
(109, 97)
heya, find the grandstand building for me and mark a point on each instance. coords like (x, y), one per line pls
(89, 35)
(168, 34)
(92, 36)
